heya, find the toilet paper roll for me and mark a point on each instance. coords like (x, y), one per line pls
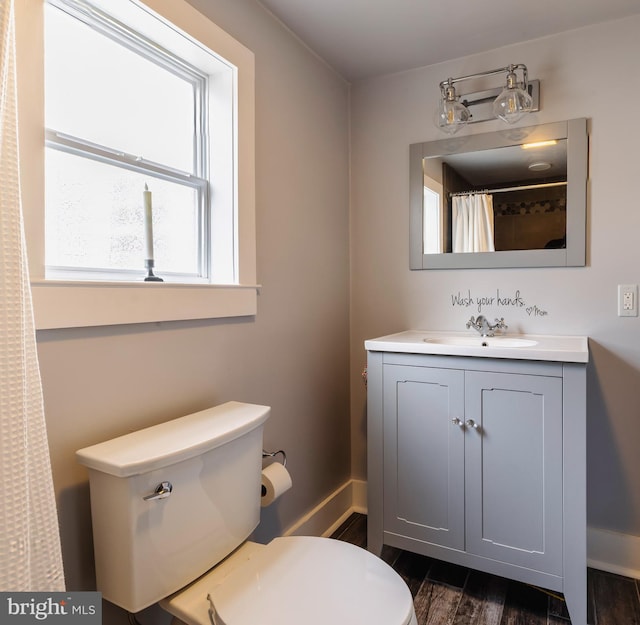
(275, 481)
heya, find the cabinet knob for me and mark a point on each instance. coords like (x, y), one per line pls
(472, 424)
(457, 421)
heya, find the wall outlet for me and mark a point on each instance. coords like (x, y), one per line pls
(627, 300)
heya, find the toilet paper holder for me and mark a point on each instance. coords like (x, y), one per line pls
(271, 454)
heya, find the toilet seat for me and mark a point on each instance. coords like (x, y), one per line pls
(297, 580)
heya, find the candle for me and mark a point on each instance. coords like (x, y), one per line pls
(148, 222)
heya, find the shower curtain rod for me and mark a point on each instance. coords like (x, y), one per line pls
(504, 190)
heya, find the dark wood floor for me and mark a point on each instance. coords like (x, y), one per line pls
(447, 594)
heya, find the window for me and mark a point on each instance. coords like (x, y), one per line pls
(136, 93)
(121, 113)
(432, 218)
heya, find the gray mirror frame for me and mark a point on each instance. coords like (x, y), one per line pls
(574, 255)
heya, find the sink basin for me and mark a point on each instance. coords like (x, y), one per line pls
(481, 341)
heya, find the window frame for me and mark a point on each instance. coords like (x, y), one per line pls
(64, 303)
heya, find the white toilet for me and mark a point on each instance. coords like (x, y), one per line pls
(172, 507)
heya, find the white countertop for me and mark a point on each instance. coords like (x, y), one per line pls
(545, 347)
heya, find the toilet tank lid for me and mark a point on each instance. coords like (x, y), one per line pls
(176, 440)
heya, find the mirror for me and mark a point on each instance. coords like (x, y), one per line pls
(511, 198)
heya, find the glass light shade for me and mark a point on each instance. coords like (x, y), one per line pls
(512, 104)
(452, 116)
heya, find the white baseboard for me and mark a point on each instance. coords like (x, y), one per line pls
(329, 514)
(606, 551)
(613, 552)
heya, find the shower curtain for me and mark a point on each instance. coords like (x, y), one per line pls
(472, 223)
(30, 556)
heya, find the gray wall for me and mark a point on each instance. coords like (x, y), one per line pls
(579, 71)
(103, 382)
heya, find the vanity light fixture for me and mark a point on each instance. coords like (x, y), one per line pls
(513, 101)
(452, 114)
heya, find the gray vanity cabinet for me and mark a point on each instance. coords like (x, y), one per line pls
(480, 462)
(473, 461)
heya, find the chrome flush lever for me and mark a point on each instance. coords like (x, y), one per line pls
(163, 490)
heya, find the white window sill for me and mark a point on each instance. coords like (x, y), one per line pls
(65, 304)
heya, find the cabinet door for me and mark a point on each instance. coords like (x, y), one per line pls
(424, 454)
(514, 469)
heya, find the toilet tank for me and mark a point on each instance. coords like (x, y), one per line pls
(146, 549)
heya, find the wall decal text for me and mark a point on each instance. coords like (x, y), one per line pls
(479, 302)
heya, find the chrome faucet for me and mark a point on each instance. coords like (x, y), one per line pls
(482, 325)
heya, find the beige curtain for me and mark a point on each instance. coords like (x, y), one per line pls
(30, 557)
(472, 223)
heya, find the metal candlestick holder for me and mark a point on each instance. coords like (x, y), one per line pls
(148, 263)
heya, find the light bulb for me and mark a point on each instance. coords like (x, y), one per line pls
(513, 102)
(451, 115)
